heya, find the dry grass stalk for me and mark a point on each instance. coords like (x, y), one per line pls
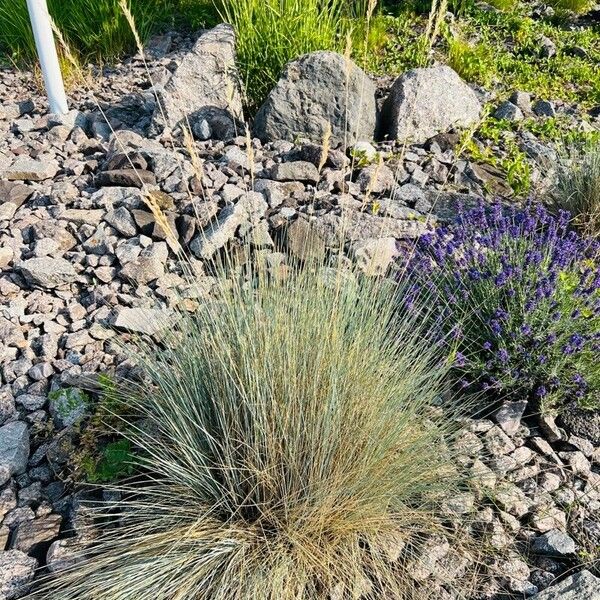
(325, 146)
(162, 221)
(250, 155)
(437, 16)
(373, 179)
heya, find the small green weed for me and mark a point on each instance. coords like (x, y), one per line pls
(472, 61)
(113, 462)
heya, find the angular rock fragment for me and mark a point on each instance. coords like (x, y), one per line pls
(46, 272)
(426, 102)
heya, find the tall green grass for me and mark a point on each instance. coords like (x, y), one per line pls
(289, 446)
(93, 28)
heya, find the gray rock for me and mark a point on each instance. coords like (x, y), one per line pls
(509, 111)
(510, 498)
(583, 423)
(523, 101)
(12, 196)
(515, 573)
(579, 464)
(29, 535)
(554, 543)
(548, 426)
(509, 416)
(158, 46)
(126, 178)
(40, 371)
(68, 406)
(122, 221)
(426, 102)
(148, 266)
(497, 442)
(579, 586)
(14, 110)
(303, 241)
(547, 518)
(298, 170)
(319, 92)
(205, 85)
(46, 272)
(374, 256)
(543, 108)
(63, 554)
(14, 450)
(376, 179)
(547, 47)
(29, 169)
(248, 209)
(16, 574)
(31, 402)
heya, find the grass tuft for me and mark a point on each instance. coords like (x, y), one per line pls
(288, 437)
(578, 189)
(575, 6)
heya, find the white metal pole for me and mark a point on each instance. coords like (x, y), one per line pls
(46, 48)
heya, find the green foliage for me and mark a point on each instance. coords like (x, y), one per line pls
(461, 7)
(471, 61)
(287, 425)
(506, 52)
(102, 454)
(513, 41)
(578, 189)
(482, 146)
(113, 462)
(576, 6)
(505, 5)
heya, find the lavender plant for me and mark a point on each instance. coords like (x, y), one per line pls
(521, 293)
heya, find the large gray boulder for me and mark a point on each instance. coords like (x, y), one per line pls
(425, 102)
(205, 89)
(317, 91)
(580, 586)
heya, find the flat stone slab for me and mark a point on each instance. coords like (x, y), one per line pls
(48, 272)
(145, 321)
(29, 169)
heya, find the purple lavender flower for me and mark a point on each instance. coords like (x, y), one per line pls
(526, 293)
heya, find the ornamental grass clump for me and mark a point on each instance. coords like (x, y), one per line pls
(520, 294)
(288, 444)
(578, 189)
